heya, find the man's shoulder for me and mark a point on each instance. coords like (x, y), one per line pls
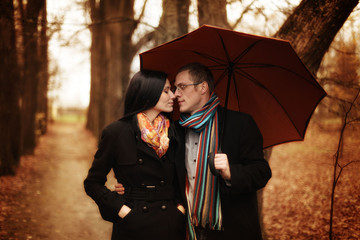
(234, 115)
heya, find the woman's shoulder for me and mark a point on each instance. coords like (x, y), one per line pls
(120, 126)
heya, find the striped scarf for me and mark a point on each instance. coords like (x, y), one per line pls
(206, 207)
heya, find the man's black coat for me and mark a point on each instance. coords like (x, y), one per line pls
(242, 142)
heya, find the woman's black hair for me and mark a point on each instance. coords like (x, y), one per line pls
(144, 91)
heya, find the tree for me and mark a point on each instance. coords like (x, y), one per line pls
(112, 52)
(337, 166)
(312, 26)
(218, 16)
(42, 100)
(30, 13)
(173, 22)
(9, 92)
(20, 74)
(342, 81)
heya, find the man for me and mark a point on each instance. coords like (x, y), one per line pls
(223, 206)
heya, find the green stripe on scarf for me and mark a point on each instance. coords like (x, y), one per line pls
(206, 210)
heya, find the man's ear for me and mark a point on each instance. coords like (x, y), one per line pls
(204, 87)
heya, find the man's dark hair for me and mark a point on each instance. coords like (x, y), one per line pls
(144, 91)
(199, 73)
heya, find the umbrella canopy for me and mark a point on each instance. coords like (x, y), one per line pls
(257, 75)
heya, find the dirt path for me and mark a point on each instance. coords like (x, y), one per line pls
(46, 199)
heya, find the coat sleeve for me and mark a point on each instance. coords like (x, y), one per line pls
(109, 202)
(249, 170)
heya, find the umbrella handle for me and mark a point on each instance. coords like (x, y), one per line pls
(211, 162)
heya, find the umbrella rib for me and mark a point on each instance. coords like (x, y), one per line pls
(236, 92)
(252, 79)
(220, 61)
(265, 65)
(237, 59)
(221, 77)
(224, 47)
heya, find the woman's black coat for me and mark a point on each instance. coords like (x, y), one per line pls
(138, 168)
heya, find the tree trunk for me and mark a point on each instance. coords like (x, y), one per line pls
(174, 21)
(31, 11)
(42, 101)
(111, 57)
(9, 92)
(213, 13)
(98, 65)
(312, 27)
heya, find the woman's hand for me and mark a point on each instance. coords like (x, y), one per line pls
(181, 208)
(119, 188)
(124, 210)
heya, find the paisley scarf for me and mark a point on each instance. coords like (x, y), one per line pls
(156, 134)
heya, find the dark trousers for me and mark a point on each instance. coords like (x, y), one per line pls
(206, 234)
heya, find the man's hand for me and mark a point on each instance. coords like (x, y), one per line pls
(221, 163)
(119, 188)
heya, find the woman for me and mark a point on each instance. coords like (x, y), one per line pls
(140, 148)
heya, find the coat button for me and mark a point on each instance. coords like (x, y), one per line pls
(145, 209)
(163, 207)
(162, 183)
(140, 161)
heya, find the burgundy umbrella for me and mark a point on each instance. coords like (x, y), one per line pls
(257, 75)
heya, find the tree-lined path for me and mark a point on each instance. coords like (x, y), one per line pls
(46, 199)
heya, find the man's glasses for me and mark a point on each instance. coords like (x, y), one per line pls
(181, 87)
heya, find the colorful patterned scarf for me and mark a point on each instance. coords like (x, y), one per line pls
(155, 135)
(206, 207)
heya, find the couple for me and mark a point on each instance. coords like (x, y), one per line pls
(163, 165)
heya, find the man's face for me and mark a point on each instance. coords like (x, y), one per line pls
(187, 94)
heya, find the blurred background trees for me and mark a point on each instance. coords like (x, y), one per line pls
(24, 51)
(119, 31)
(9, 91)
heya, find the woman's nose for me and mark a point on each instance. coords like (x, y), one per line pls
(172, 95)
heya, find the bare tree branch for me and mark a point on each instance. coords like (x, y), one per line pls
(246, 10)
(336, 176)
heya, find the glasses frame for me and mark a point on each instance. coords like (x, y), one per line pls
(181, 87)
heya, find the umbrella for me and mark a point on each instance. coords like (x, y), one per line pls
(261, 76)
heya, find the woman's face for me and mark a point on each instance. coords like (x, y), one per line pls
(166, 100)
